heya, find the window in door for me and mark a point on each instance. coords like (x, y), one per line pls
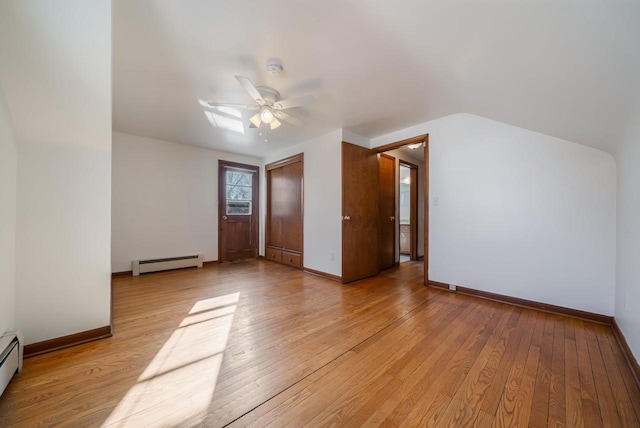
(239, 192)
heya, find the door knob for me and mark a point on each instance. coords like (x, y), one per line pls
(224, 217)
(346, 217)
(392, 218)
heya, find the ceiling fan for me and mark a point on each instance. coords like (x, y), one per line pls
(268, 103)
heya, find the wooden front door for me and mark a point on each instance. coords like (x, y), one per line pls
(386, 211)
(237, 211)
(359, 213)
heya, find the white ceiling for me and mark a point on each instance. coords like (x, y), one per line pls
(566, 68)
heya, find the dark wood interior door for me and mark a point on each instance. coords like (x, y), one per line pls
(359, 212)
(292, 205)
(276, 201)
(386, 211)
(237, 211)
(284, 219)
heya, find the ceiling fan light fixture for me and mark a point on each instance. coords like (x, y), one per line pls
(255, 119)
(415, 146)
(267, 115)
(275, 124)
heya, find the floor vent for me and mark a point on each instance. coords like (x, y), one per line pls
(11, 352)
(156, 265)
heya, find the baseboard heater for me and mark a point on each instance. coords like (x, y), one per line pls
(11, 353)
(156, 265)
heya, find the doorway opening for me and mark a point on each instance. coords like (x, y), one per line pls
(365, 202)
(408, 211)
(411, 239)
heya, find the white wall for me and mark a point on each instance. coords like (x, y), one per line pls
(8, 177)
(55, 65)
(322, 200)
(165, 199)
(401, 155)
(520, 213)
(627, 305)
(357, 139)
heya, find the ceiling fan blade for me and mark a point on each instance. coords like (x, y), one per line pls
(211, 104)
(294, 102)
(275, 123)
(288, 118)
(255, 120)
(250, 88)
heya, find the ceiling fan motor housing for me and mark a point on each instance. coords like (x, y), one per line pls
(269, 95)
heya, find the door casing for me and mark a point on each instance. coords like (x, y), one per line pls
(386, 211)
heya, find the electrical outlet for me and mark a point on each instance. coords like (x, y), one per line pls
(332, 255)
(452, 287)
(436, 201)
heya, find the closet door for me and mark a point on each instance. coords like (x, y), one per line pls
(292, 206)
(284, 225)
(276, 202)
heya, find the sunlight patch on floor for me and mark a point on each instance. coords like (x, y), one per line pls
(176, 388)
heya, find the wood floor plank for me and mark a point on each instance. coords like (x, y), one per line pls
(414, 385)
(467, 401)
(429, 414)
(483, 420)
(366, 414)
(623, 400)
(606, 402)
(632, 387)
(557, 409)
(343, 409)
(573, 398)
(328, 387)
(514, 406)
(588, 394)
(491, 398)
(441, 370)
(455, 372)
(260, 344)
(540, 405)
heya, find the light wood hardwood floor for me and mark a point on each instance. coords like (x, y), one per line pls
(260, 344)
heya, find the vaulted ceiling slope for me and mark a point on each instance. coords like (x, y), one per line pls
(564, 68)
